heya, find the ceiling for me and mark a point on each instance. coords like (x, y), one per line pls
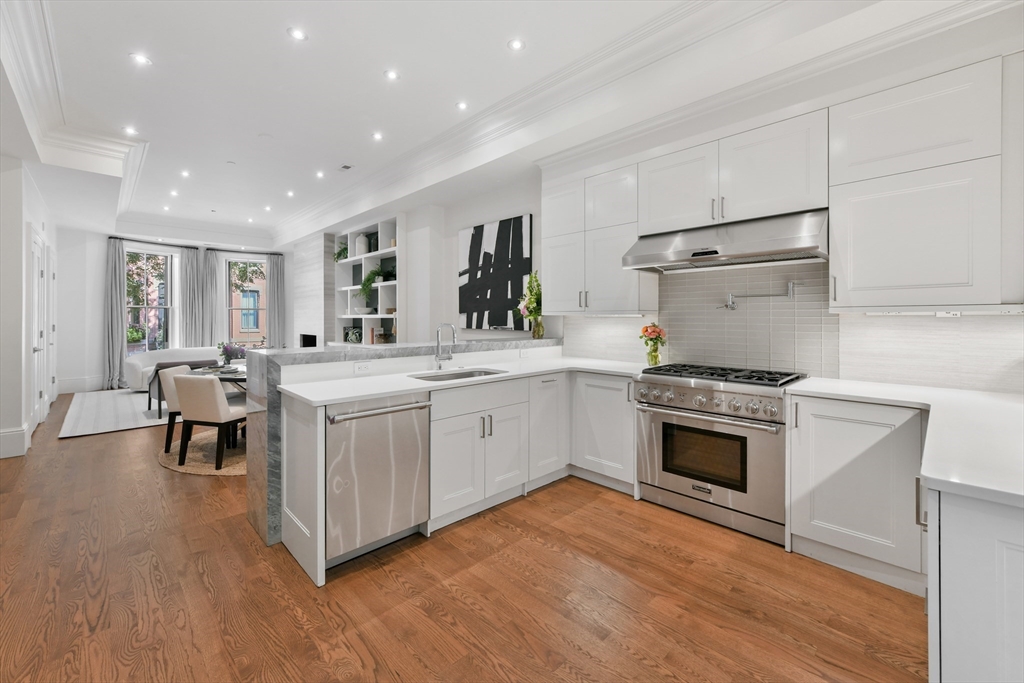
(227, 84)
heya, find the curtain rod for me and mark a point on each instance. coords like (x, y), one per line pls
(185, 246)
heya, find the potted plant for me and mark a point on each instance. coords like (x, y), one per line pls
(530, 305)
(342, 253)
(366, 288)
(231, 352)
(654, 338)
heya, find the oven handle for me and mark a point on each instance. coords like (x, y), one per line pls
(709, 418)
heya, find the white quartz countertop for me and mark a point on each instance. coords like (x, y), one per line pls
(377, 386)
(974, 442)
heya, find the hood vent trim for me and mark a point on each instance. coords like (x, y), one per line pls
(777, 239)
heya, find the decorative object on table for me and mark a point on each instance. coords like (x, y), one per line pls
(394, 243)
(382, 338)
(366, 288)
(342, 253)
(494, 266)
(230, 352)
(390, 311)
(530, 305)
(354, 335)
(373, 242)
(362, 245)
(372, 335)
(363, 311)
(654, 338)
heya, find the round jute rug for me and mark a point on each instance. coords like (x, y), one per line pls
(202, 456)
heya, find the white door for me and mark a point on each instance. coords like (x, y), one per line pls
(611, 198)
(562, 273)
(457, 447)
(549, 424)
(774, 169)
(611, 288)
(923, 238)
(50, 328)
(561, 209)
(853, 478)
(39, 341)
(945, 119)
(678, 191)
(603, 422)
(508, 447)
(981, 589)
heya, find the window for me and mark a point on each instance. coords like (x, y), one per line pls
(148, 287)
(247, 285)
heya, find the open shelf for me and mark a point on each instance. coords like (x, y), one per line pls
(348, 277)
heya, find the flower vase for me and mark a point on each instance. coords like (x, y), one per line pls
(653, 355)
(538, 329)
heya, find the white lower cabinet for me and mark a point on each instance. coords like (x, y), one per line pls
(603, 423)
(507, 459)
(853, 478)
(976, 592)
(457, 452)
(549, 424)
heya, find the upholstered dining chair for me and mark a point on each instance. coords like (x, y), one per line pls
(170, 395)
(202, 402)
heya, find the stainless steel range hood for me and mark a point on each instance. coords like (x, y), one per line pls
(791, 237)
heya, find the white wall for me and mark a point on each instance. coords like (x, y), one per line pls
(82, 256)
(421, 273)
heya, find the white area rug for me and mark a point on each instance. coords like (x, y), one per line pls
(95, 412)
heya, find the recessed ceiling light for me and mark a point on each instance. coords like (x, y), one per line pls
(128, 130)
(378, 136)
(167, 208)
(290, 193)
(174, 193)
(243, 248)
(298, 34)
(141, 58)
(266, 208)
(516, 44)
(462, 106)
(185, 174)
(250, 220)
(391, 75)
(319, 174)
(159, 239)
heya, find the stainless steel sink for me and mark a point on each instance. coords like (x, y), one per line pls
(446, 375)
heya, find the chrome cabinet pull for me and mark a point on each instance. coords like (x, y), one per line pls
(580, 299)
(796, 415)
(586, 299)
(721, 209)
(344, 417)
(490, 425)
(917, 505)
(712, 208)
(833, 288)
(629, 393)
(771, 429)
(483, 427)
(546, 381)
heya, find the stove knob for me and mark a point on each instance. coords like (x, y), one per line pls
(699, 400)
(770, 410)
(753, 408)
(669, 396)
(719, 401)
(735, 405)
(641, 393)
(655, 395)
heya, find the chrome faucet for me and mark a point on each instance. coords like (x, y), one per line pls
(455, 340)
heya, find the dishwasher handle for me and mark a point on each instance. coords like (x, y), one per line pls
(335, 419)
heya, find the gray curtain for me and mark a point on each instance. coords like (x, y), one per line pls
(115, 312)
(275, 301)
(208, 297)
(191, 304)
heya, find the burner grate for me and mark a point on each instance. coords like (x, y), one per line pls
(741, 375)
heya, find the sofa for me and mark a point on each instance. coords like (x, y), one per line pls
(139, 368)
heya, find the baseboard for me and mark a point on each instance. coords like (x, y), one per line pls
(74, 385)
(891, 575)
(14, 441)
(544, 480)
(626, 487)
(433, 525)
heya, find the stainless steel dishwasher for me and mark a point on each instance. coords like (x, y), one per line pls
(378, 475)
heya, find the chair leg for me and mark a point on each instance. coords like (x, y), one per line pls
(223, 434)
(243, 430)
(159, 401)
(186, 436)
(234, 435)
(171, 417)
(149, 406)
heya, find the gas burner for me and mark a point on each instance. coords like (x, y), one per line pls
(710, 372)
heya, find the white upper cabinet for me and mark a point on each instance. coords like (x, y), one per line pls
(562, 273)
(678, 191)
(944, 119)
(561, 209)
(611, 198)
(611, 288)
(924, 238)
(775, 169)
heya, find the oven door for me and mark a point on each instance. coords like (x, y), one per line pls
(736, 464)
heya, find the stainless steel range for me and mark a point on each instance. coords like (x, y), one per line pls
(711, 442)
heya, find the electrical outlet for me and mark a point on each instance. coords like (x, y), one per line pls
(947, 314)
(362, 368)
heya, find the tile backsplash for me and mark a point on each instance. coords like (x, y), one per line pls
(984, 353)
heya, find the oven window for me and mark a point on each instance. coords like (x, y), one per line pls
(709, 457)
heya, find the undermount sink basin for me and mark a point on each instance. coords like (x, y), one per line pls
(446, 375)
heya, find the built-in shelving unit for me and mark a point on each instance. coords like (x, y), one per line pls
(379, 314)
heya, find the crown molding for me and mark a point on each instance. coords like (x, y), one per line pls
(133, 162)
(151, 225)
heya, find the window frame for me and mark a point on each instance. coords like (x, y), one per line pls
(260, 310)
(168, 295)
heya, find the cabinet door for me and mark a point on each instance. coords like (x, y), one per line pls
(679, 190)
(457, 448)
(853, 478)
(981, 589)
(945, 119)
(611, 198)
(508, 447)
(562, 272)
(775, 169)
(549, 424)
(923, 238)
(611, 288)
(604, 426)
(561, 209)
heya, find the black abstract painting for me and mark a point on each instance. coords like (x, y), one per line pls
(494, 264)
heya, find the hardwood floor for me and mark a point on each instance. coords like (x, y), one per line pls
(115, 569)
